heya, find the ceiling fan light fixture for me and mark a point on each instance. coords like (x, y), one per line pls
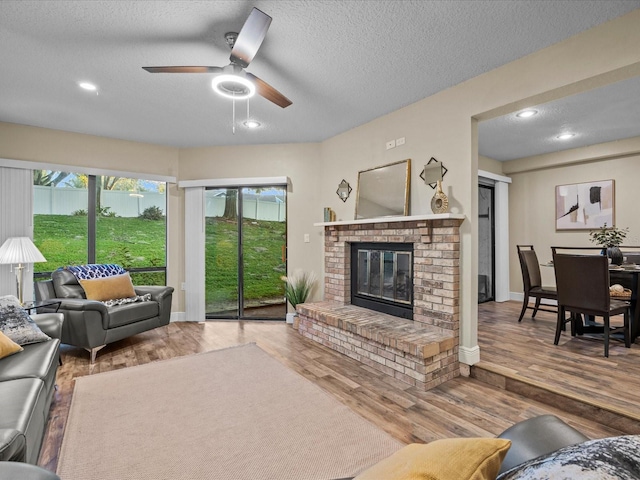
(252, 124)
(233, 86)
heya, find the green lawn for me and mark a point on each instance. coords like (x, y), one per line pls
(262, 251)
(134, 243)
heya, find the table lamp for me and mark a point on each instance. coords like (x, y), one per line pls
(20, 251)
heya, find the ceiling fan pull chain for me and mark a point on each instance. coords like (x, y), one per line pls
(233, 102)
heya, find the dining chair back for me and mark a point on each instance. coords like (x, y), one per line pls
(582, 283)
(532, 281)
(580, 280)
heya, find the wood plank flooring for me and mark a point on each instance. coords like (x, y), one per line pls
(461, 407)
(576, 367)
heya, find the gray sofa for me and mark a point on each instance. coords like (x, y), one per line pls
(27, 384)
(535, 437)
(532, 439)
(90, 324)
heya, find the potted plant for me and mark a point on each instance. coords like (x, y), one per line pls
(610, 240)
(297, 289)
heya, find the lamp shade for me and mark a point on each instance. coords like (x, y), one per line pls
(20, 250)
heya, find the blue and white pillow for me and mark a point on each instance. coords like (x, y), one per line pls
(613, 458)
(96, 270)
(16, 323)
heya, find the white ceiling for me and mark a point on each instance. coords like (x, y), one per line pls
(342, 63)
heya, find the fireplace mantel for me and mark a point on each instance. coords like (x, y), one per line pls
(410, 218)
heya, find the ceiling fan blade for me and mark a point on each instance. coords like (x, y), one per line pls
(267, 91)
(250, 37)
(182, 69)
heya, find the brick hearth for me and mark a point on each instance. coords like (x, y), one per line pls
(422, 352)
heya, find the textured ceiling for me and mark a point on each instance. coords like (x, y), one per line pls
(602, 115)
(342, 63)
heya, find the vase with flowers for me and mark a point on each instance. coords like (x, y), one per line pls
(610, 239)
(297, 288)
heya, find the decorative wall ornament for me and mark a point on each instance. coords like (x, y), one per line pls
(431, 174)
(344, 190)
(588, 205)
(439, 202)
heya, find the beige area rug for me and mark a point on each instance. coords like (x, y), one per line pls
(229, 414)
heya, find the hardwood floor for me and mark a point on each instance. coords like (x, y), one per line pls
(461, 407)
(576, 367)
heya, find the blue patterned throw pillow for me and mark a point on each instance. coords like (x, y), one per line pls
(16, 323)
(613, 458)
(96, 270)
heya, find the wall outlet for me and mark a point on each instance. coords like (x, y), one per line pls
(183, 286)
(399, 141)
(306, 238)
(391, 144)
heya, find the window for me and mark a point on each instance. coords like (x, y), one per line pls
(81, 218)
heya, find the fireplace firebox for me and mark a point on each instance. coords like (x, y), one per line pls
(382, 277)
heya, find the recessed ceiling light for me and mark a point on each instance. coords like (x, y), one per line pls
(526, 113)
(88, 86)
(251, 124)
(565, 136)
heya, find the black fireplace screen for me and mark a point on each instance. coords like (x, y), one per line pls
(382, 277)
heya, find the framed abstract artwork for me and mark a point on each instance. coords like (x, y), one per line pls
(585, 206)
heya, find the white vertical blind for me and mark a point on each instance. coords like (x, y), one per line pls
(16, 220)
(194, 269)
(502, 241)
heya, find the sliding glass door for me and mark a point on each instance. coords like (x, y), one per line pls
(486, 244)
(245, 252)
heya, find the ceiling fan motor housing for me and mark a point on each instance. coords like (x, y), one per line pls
(231, 38)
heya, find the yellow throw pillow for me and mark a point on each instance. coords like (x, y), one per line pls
(108, 288)
(8, 346)
(446, 459)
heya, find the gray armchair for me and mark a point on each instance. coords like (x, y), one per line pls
(92, 325)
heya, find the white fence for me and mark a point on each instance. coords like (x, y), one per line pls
(255, 208)
(65, 201)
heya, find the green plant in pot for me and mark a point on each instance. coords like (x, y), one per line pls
(610, 239)
(297, 288)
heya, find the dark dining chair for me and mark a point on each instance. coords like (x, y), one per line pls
(532, 281)
(582, 282)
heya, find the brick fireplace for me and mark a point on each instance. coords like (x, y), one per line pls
(422, 352)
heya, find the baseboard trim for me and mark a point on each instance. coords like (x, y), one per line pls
(178, 317)
(469, 356)
(519, 297)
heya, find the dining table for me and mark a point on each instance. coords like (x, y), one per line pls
(628, 275)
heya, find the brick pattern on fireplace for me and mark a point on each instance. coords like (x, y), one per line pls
(366, 335)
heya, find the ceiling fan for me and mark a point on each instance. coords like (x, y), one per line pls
(233, 81)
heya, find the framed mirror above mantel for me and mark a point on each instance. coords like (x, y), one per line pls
(384, 191)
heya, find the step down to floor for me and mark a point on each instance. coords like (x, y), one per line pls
(505, 379)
